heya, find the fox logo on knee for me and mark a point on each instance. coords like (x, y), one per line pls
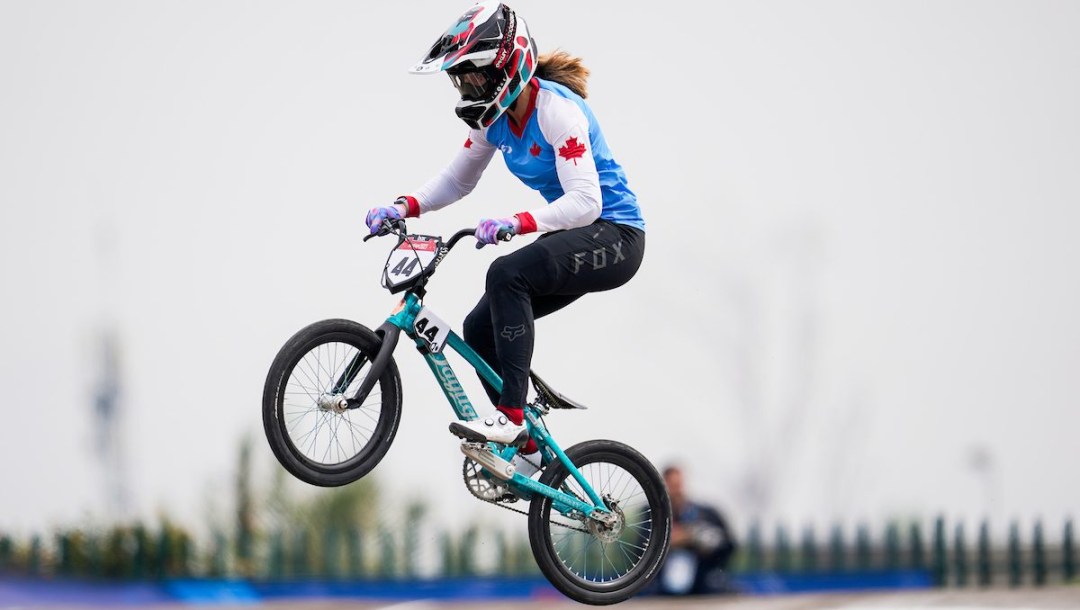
(513, 332)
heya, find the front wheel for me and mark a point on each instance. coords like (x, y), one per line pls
(596, 563)
(314, 428)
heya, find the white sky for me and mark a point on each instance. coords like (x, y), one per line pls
(861, 261)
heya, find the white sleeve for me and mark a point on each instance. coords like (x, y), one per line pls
(566, 128)
(460, 177)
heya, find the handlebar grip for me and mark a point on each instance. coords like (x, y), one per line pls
(501, 235)
(388, 226)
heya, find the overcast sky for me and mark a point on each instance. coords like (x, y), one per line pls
(861, 270)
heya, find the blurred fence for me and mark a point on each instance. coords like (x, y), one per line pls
(138, 553)
(952, 555)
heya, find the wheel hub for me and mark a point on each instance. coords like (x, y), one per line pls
(333, 402)
(608, 527)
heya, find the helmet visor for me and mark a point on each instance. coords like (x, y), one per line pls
(476, 86)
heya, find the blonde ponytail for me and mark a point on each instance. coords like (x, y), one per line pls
(565, 69)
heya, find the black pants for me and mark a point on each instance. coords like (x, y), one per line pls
(536, 280)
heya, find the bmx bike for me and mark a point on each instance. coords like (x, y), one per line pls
(599, 517)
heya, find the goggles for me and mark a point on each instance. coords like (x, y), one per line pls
(474, 85)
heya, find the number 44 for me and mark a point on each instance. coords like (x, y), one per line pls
(405, 266)
(430, 327)
(421, 327)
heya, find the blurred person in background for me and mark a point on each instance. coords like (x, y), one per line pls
(701, 545)
(531, 108)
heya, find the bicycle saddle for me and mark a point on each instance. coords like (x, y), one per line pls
(553, 399)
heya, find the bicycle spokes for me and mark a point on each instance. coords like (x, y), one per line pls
(605, 548)
(317, 415)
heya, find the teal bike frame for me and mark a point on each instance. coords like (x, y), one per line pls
(523, 486)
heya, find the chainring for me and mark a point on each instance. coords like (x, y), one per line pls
(481, 485)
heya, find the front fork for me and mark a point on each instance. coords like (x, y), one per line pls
(389, 334)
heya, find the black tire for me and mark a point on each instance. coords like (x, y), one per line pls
(642, 544)
(305, 373)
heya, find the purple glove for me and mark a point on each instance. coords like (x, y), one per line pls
(375, 216)
(487, 232)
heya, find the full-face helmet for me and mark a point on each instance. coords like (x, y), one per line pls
(490, 58)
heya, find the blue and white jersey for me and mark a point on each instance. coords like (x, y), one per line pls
(558, 151)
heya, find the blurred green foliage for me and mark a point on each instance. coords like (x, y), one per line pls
(340, 533)
(277, 533)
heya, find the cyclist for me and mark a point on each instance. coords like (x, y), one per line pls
(531, 108)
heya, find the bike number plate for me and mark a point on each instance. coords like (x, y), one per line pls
(430, 328)
(409, 260)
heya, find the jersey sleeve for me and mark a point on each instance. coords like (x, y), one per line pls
(460, 177)
(566, 128)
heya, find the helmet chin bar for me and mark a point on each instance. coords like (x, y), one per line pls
(478, 109)
(478, 117)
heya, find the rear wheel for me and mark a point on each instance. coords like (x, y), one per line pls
(592, 562)
(317, 433)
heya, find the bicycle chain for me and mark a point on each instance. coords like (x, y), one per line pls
(500, 504)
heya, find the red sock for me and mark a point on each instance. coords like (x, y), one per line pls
(514, 414)
(517, 415)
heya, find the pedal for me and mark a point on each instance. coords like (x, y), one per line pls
(482, 453)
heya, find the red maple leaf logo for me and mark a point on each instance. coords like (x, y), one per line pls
(572, 150)
(468, 142)
(534, 150)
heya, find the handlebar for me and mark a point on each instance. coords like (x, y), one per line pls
(396, 226)
(388, 226)
(456, 237)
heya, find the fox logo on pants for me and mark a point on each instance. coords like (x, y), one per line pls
(513, 332)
